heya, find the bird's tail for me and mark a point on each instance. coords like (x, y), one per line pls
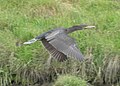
(31, 41)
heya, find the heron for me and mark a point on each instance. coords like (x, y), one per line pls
(59, 44)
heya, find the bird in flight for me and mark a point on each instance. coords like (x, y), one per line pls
(59, 44)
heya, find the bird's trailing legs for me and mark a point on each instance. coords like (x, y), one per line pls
(30, 41)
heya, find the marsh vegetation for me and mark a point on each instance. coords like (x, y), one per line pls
(21, 20)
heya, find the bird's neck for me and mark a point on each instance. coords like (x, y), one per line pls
(74, 28)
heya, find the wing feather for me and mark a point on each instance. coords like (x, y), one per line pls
(63, 43)
(54, 52)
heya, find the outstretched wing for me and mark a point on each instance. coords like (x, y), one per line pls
(63, 43)
(54, 52)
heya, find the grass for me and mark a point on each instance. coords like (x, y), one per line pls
(68, 80)
(22, 20)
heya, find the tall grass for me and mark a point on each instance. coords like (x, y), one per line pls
(21, 20)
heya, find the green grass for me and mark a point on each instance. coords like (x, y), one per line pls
(21, 20)
(68, 80)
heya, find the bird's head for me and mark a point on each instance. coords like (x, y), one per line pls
(78, 27)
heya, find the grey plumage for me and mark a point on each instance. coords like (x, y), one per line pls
(59, 44)
(53, 51)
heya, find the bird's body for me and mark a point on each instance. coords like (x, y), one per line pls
(59, 44)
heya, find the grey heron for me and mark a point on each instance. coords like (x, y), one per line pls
(59, 44)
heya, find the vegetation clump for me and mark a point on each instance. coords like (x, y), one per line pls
(69, 80)
(21, 20)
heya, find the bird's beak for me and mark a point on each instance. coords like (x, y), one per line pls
(87, 27)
